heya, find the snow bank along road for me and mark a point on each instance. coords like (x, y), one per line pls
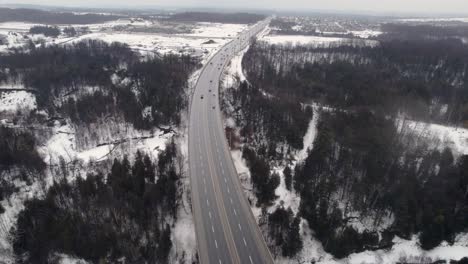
(225, 226)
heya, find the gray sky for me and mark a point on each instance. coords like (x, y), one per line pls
(406, 6)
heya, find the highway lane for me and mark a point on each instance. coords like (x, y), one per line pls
(225, 226)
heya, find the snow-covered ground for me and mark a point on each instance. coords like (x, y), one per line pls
(203, 40)
(438, 135)
(16, 100)
(295, 40)
(63, 144)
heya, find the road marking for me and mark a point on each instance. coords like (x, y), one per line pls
(205, 189)
(240, 227)
(228, 190)
(225, 180)
(209, 214)
(250, 259)
(204, 182)
(216, 243)
(212, 228)
(220, 262)
(207, 202)
(235, 212)
(245, 243)
(230, 199)
(222, 170)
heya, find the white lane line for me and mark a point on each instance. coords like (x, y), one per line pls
(216, 243)
(209, 212)
(205, 189)
(231, 200)
(240, 227)
(228, 190)
(207, 202)
(220, 262)
(250, 259)
(245, 243)
(222, 171)
(225, 181)
(235, 212)
(204, 182)
(212, 228)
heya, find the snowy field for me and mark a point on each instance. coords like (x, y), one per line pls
(203, 39)
(315, 41)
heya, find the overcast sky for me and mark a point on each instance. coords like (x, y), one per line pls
(407, 6)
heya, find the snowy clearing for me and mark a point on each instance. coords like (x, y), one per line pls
(442, 136)
(16, 100)
(316, 41)
(63, 144)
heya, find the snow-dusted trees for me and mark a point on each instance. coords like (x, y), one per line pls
(364, 181)
(359, 156)
(48, 31)
(284, 230)
(93, 79)
(18, 150)
(126, 216)
(422, 78)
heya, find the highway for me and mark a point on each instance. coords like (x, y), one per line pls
(225, 227)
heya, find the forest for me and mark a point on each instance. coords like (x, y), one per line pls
(126, 214)
(155, 83)
(48, 17)
(102, 212)
(407, 32)
(47, 31)
(414, 77)
(359, 159)
(362, 165)
(234, 18)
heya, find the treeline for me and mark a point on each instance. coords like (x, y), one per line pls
(19, 159)
(126, 214)
(53, 31)
(405, 31)
(47, 31)
(234, 18)
(48, 17)
(147, 93)
(18, 150)
(418, 77)
(360, 160)
(283, 122)
(283, 228)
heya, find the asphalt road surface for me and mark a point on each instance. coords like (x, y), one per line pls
(225, 226)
